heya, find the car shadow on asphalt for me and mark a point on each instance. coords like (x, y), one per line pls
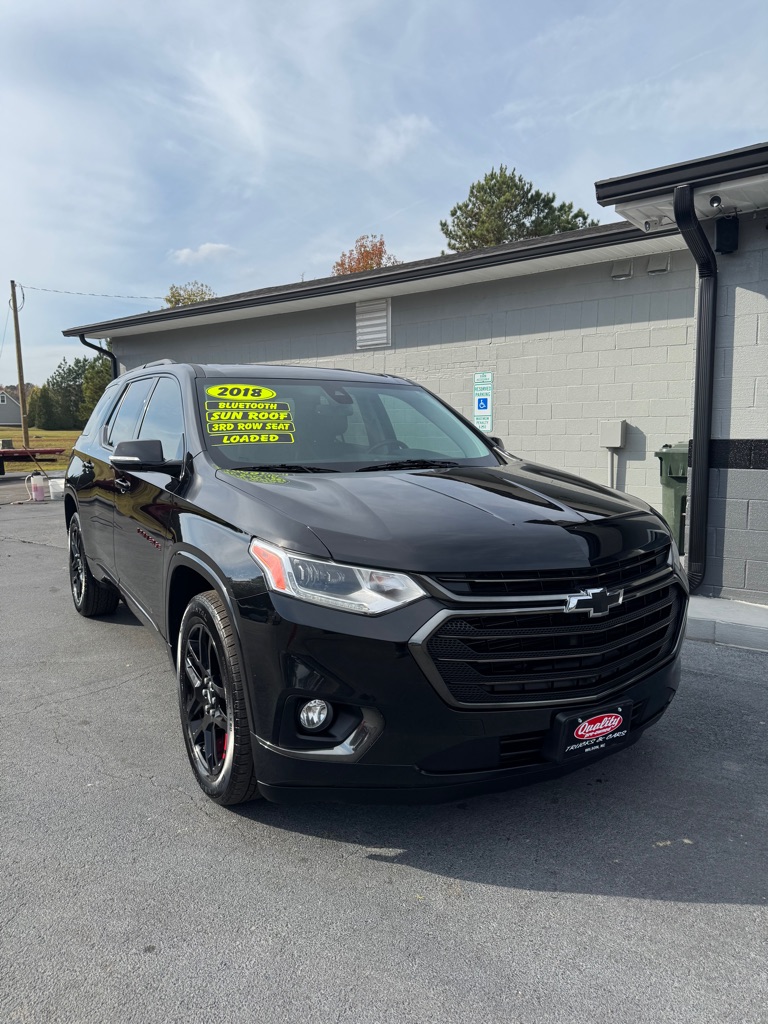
(123, 616)
(682, 816)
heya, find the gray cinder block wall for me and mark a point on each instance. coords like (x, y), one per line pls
(568, 349)
(737, 546)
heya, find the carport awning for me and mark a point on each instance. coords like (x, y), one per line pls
(723, 185)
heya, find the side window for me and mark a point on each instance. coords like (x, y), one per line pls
(126, 419)
(416, 430)
(164, 418)
(99, 411)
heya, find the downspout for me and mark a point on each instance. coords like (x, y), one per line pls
(698, 502)
(102, 352)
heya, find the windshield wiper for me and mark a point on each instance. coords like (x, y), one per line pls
(285, 467)
(409, 464)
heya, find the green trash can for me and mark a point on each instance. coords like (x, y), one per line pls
(673, 469)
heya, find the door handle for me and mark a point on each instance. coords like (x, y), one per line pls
(122, 485)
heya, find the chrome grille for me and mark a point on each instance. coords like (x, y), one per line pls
(514, 656)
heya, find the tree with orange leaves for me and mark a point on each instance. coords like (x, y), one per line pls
(369, 253)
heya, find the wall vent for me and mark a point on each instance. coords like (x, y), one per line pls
(622, 270)
(373, 323)
(658, 263)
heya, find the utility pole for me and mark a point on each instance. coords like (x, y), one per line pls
(20, 366)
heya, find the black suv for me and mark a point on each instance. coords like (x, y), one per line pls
(365, 597)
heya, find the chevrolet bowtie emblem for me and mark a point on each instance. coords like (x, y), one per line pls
(595, 602)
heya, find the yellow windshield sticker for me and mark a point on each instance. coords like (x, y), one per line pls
(262, 428)
(243, 413)
(254, 392)
(247, 416)
(248, 406)
(246, 438)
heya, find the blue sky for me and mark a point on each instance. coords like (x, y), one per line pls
(247, 144)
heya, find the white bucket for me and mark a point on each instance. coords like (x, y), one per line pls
(56, 488)
(35, 486)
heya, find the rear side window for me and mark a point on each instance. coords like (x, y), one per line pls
(164, 418)
(129, 412)
(99, 411)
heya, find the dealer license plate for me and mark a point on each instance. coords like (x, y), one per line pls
(588, 732)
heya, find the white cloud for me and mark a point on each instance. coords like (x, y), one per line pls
(602, 82)
(206, 251)
(394, 139)
(667, 104)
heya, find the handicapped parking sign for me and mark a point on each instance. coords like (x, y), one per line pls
(482, 400)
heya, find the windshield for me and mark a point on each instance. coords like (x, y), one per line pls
(252, 423)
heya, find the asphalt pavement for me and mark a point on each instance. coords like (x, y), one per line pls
(635, 890)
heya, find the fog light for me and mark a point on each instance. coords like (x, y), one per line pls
(314, 715)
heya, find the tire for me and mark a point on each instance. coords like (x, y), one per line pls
(214, 721)
(90, 597)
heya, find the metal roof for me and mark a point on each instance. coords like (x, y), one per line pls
(533, 255)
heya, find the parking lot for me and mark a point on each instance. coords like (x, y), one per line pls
(634, 890)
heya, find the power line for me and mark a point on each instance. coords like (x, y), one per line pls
(93, 295)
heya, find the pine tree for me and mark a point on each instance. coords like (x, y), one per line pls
(504, 207)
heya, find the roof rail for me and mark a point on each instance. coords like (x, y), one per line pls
(157, 362)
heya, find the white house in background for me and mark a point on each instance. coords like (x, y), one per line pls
(10, 410)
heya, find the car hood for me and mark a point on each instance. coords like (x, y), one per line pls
(521, 516)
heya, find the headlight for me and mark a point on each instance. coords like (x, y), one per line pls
(346, 587)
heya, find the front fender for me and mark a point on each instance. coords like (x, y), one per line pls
(228, 590)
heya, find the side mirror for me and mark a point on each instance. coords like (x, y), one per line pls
(497, 442)
(144, 455)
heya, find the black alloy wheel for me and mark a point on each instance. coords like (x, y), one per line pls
(205, 701)
(90, 597)
(212, 703)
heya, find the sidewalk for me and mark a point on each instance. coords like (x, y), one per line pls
(710, 619)
(730, 623)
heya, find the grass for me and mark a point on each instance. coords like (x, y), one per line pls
(40, 439)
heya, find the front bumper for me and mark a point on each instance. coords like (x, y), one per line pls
(406, 744)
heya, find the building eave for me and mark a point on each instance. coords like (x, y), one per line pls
(703, 172)
(573, 248)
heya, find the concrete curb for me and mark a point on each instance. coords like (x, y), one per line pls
(730, 623)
